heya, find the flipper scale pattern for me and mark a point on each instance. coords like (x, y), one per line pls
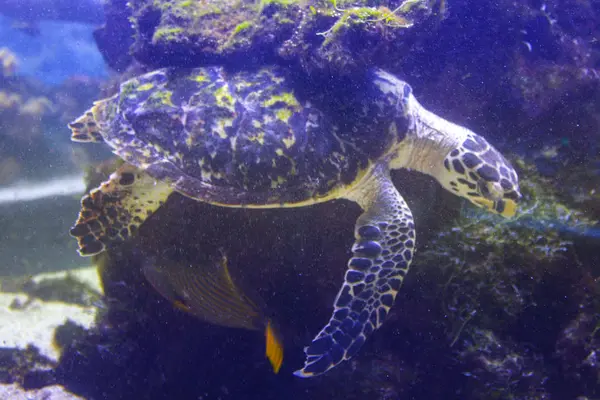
(382, 253)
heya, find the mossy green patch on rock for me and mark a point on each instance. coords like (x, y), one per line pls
(167, 34)
(212, 29)
(287, 98)
(280, 3)
(242, 27)
(361, 16)
(170, 32)
(346, 36)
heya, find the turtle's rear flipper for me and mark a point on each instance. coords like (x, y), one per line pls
(112, 212)
(385, 241)
(85, 128)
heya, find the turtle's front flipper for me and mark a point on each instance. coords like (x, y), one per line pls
(112, 212)
(385, 241)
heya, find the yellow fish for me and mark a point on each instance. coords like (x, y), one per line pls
(209, 293)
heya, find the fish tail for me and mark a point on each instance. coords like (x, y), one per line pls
(274, 347)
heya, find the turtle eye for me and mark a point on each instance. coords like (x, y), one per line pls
(482, 188)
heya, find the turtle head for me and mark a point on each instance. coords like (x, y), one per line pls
(462, 161)
(475, 170)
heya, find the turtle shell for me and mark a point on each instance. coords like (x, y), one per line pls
(250, 137)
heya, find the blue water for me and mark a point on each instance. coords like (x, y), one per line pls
(60, 51)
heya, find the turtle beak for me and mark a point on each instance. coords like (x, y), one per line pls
(505, 207)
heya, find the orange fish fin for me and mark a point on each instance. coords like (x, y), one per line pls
(274, 347)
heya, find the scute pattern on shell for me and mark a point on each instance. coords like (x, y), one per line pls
(244, 138)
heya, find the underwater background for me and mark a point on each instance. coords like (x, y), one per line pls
(492, 308)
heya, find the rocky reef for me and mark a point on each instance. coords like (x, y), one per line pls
(41, 316)
(492, 308)
(509, 291)
(319, 35)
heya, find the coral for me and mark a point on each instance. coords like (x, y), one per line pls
(360, 16)
(9, 100)
(68, 99)
(21, 110)
(581, 172)
(206, 29)
(345, 37)
(539, 84)
(578, 344)
(21, 116)
(242, 26)
(8, 62)
(489, 277)
(115, 37)
(502, 369)
(499, 260)
(63, 287)
(29, 111)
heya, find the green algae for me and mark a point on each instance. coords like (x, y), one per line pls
(144, 87)
(167, 34)
(224, 97)
(287, 98)
(283, 114)
(242, 27)
(283, 3)
(160, 98)
(360, 16)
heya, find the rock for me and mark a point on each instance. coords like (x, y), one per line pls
(14, 392)
(318, 36)
(115, 37)
(31, 317)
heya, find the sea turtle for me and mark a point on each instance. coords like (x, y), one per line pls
(260, 139)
